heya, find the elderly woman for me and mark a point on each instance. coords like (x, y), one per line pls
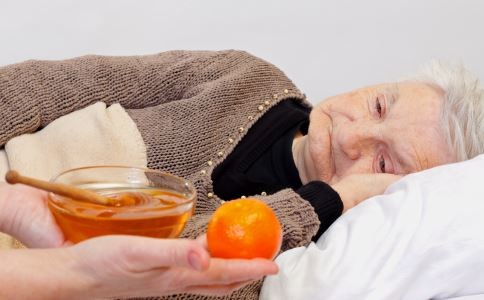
(236, 126)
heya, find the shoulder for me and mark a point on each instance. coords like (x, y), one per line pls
(229, 53)
(223, 60)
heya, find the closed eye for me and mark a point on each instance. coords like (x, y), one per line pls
(384, 164)
(381, 164)
(380, 105)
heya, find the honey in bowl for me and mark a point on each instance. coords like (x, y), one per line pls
(153, 208)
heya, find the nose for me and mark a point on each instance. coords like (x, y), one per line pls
(355, 139)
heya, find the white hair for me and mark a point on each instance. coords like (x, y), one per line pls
(462, 117)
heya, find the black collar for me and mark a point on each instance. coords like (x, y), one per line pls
(263, 161)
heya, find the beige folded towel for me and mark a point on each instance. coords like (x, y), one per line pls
(94, 135)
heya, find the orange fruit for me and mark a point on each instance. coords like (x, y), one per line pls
(244, 228)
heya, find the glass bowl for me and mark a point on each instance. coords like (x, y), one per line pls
(160, 203)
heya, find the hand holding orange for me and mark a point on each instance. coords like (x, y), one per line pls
(244, 228)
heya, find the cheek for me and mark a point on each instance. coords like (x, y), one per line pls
(318, 138)
(319, 145)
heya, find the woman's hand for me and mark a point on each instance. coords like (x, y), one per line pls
(25, 215)
(125, 266)
(356, 188)
(109, 266)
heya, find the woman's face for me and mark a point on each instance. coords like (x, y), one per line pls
(388, 128)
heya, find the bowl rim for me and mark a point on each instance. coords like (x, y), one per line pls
(186, 182)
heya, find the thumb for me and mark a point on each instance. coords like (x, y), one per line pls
(144, 254)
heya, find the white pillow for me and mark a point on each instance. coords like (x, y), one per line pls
(423, 239)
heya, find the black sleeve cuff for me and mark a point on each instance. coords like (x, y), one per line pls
(326, 202)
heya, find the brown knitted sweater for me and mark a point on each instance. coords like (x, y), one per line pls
(191, 108)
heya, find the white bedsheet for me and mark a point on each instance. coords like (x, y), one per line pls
(423, 239)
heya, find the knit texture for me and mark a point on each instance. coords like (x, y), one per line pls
(192, 108)
(328, 210)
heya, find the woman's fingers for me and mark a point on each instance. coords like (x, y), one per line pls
(181, 253)
(147, 254)
(228, 271)
(202, 239)
(217, 290)
(223, 276)
(356, 188)
(141, 254)
(163, 266)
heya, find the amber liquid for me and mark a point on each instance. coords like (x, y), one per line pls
(145, 212)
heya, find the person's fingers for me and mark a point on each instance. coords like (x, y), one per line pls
(384, 180)
(394, 177)
(228, 271)
(388, 177)
(67, 244)
(217, 290)
(202, 239)
(31, 222)
(142, 254)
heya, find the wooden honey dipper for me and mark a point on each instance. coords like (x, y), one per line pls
(61, 189)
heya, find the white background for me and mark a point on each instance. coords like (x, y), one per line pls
(325, 47)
